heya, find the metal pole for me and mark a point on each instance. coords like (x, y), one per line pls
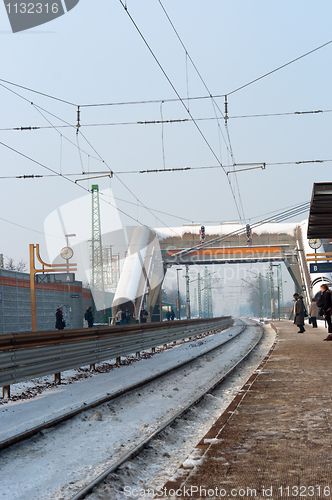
(187, 292)
(179, 305)
(32, 288)
(199, 295)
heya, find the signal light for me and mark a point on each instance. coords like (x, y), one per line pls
(248, 230)
(202, 233)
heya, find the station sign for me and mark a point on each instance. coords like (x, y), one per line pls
(321, 267)
(55, 278)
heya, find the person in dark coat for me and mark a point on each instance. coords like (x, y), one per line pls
(128, 316)
(299, 312)
(89, 317)
(168, 315)
(325, 304)
(172, 315)
(59, 320)
(143, 315)
(313, 313)
(123, 318)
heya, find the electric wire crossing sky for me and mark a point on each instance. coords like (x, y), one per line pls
(26, 15)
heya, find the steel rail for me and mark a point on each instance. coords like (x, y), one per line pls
(20, 361)
(138, 448)
(97, 402)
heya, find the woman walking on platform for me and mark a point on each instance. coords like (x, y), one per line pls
(325, 304)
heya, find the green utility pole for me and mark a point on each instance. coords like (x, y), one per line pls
(187, 292)
(97, 275)
(199, 295)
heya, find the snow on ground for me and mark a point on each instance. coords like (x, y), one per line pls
(146, 474)
(25, 414)
(59, 461)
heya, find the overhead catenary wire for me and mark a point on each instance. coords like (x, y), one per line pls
(171, 99)
(215, 105)
(158, 122)
(38, 92)
(181, 100)
(77, 126)
(279, 68)
(125, 186)
(62, 176)
(175, 170)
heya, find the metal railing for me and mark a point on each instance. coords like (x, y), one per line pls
(24, 356)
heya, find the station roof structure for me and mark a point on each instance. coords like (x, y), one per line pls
(320, 215)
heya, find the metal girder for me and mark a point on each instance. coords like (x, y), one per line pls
(320, 215)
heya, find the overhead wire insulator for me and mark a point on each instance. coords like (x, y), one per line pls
(226, 111)
(78, 120)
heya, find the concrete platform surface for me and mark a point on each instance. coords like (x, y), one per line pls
(275, 439)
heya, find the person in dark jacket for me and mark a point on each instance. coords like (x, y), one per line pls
(123, 318)
(128, 317)
(172, 315)
(59, 320)
(325, 304)
(299, 312)
(143, 315)
(168, 315)
(89, 317)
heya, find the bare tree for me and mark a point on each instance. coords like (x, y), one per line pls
(11, 266)
(22, 266)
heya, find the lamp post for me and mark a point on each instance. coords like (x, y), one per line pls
(179, 305)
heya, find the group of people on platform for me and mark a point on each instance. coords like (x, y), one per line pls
(170, 315)
(60, 322)
(122, 317)
(320, 308)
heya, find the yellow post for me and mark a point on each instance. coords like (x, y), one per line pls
(33, 288)
(55, 268)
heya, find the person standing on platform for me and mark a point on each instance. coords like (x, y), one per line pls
(299, 312)
(59, 320)
(128, 317)
(313, 313)
(143, 315)
(168, 315)
(89, 317)
(325, 304)
(172, 315)
(118, 317)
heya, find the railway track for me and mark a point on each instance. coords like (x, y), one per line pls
(68, 415)
(154, 430)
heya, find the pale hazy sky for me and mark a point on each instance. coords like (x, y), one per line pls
(94, 54)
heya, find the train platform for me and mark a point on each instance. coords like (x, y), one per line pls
(274, 441)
